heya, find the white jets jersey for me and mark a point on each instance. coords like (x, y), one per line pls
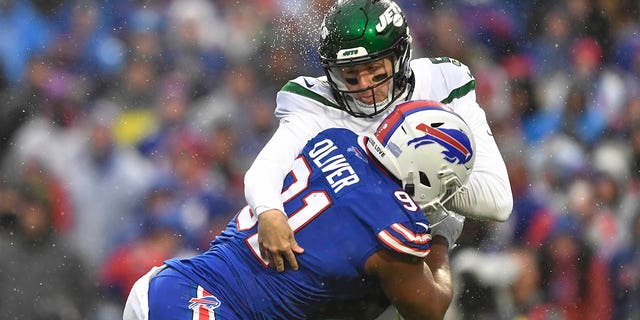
(306, 106)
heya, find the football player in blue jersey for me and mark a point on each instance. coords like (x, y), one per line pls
(365, 50)
(358, 204)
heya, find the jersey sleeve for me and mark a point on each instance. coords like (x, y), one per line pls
(305, 95)
(299, 106)
(488, 189)
(263, 181)
(413, 239)
(302, 105)
(396, 221)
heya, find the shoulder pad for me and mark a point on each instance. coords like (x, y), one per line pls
(448, 77)
(303, 93)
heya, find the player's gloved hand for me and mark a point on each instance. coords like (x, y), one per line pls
(450, 228)
(276, 240)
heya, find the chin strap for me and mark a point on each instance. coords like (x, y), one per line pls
(410, 188)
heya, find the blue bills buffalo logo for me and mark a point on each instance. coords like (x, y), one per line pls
(456, 144)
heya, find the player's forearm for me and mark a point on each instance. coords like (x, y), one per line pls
(431, 299)
(263, 181)
(262, 189)
(438, 263)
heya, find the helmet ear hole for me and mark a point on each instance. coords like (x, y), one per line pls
(424, 180)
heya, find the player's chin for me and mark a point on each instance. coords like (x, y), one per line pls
(367, 100)
(365, 97)
(375, 100)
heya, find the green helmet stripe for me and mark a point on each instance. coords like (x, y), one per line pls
(301, 90)
(460, 92)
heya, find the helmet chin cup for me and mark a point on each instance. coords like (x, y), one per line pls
(368, 109)
(360, 109)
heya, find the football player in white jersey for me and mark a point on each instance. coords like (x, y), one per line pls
(365, 51)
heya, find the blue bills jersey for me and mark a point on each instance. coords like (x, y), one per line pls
(343, 207)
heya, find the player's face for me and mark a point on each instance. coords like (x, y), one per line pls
(368, 75)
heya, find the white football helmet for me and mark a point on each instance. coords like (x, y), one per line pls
(429, 149)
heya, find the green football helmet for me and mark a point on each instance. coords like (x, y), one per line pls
(356, 32)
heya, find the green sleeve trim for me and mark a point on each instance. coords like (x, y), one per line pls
(460, 92)
(301, 90)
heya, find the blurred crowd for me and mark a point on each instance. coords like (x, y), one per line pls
(126, 127)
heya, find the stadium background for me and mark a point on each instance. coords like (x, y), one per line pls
(126, 127)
